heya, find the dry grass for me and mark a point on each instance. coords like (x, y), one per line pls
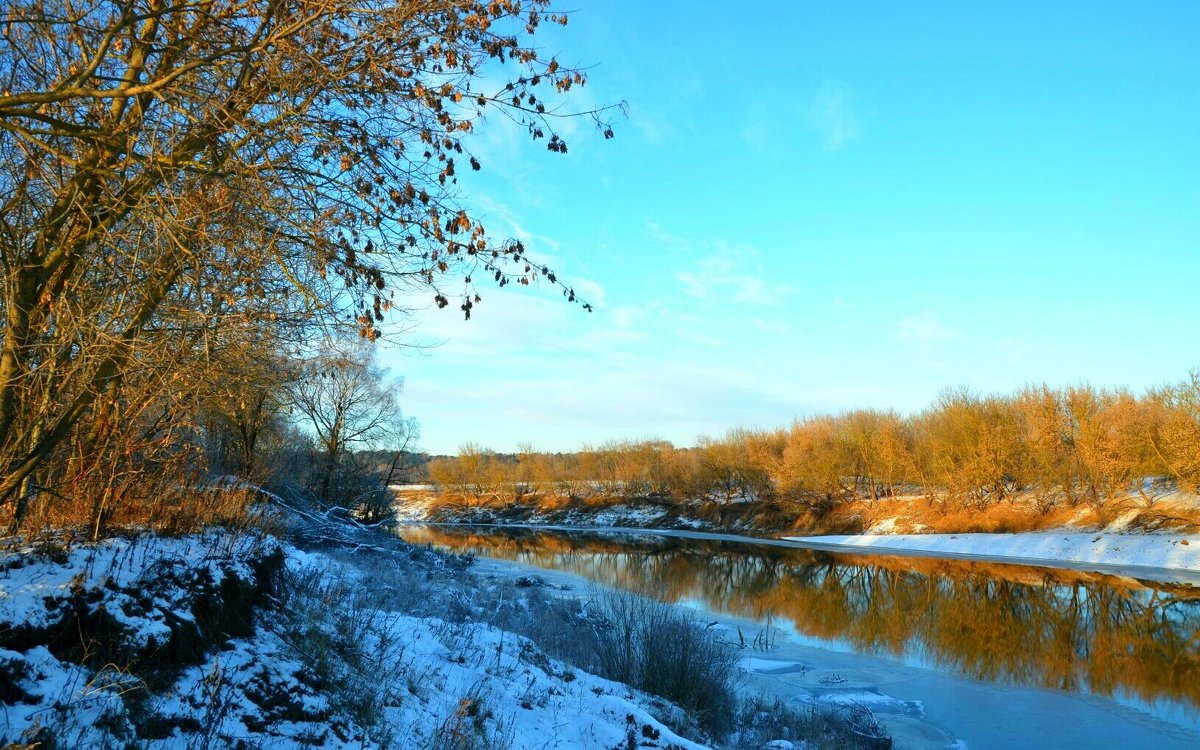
(171, 513)
(1023, 513)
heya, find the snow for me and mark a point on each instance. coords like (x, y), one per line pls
(876, 700)
(886, 526)
(426, 509)
(1170, 558)
(312, 673)
(426, 677)
(33, 586)
(770, 666)
(617, 515)
(1128, 552)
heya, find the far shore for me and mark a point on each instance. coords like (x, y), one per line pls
(1164, 557)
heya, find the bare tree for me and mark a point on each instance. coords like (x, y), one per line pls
(348, 403)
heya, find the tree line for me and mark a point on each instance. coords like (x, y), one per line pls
(1078, 444)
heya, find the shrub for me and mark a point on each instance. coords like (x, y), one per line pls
(662, 650)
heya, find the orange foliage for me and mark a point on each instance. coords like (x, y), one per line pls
(985, 463)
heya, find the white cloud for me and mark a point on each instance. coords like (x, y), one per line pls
(697, 336)
(772, 326)
(731, 274)
(1016, 349)
(831, 114)
(629, 397)
(588, 291)
(925, 330)
(760, 128)
(626, 316)
(520, 323)
(668, 114)
(723, 272)
(502, 220)
(660, 235)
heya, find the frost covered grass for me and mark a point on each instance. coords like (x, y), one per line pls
(629, 639)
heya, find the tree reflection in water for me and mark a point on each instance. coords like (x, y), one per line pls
(1070, 630)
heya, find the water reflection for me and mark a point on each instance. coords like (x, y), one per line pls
(1082, 632)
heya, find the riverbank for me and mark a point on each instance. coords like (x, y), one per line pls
(1121, 552)
(220, 640)
(1157, 541)
(1168, 511)
(776, 664)
(1160, 557)
(342, 637)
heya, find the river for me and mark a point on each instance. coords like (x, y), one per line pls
(948, 653)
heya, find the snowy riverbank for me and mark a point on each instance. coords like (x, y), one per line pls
(1171, 558)
(219, 640)
(345, 637)
(1117, 552)
(1154, 543)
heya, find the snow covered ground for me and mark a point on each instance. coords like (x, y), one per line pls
(331, 665)
(347, 655)
(1126, 553)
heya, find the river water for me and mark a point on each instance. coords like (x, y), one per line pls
(976, 653)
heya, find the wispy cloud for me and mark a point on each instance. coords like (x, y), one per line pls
(669, 113)
(626, 316)
(659, 234)
(830, 112)
(503, 221)
(731, 274)
(1016, 349)
(631, 397)
(772, 326)
(925, 330)
(760, 127)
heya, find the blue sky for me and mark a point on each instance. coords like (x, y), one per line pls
(824, 206)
